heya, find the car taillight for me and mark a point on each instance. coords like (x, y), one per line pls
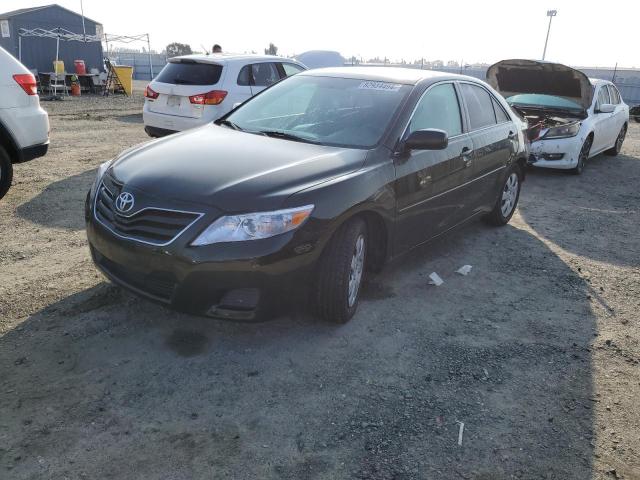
(149, 93)
(28, 83)
(215, 97)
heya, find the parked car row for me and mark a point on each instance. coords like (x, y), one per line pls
(307, 179)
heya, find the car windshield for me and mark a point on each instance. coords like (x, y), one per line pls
(343, 112)
(543, 101)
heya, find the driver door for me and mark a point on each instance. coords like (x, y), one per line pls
(428, 198)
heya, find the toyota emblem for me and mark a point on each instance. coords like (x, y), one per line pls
(125, 202)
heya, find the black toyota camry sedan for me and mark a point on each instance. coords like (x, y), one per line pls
(304, 188)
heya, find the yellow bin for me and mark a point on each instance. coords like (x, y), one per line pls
(125, 75)
(58, 66)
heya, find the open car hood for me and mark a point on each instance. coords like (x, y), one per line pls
(511, 77)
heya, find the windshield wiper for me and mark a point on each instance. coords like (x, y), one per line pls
(228, 123)
(286, 136)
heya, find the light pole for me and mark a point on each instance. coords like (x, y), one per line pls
(550, 14)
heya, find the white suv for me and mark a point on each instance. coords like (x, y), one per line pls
(196, 89)
(24, 126)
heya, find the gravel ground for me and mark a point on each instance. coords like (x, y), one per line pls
(536, 351)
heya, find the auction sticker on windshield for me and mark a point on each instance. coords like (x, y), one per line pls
(390, 87)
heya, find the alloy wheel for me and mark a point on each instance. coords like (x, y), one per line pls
(356, 269)
(509, 195)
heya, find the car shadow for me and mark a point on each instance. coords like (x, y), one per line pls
(560, 207)
(60, 204)
(105, 385)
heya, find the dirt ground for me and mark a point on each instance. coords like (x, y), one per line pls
(536, 351)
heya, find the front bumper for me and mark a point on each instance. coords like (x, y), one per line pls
(241, 280)
(561, 153)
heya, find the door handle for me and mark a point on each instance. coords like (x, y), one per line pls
(466, 155)
(511, 135)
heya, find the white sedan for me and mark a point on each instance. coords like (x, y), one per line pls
(571, 117)
(193, 90)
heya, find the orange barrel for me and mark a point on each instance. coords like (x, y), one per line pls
(80, 67)
(75, 89)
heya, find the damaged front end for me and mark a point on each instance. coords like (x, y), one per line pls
(553, 99)
(545, 126)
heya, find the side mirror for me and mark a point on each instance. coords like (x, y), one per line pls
(427, 139)
(606, 108)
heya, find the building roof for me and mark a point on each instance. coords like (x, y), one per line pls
(22, 11)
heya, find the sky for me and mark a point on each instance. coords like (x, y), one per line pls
(584, 32)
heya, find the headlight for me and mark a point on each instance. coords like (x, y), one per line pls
(253, 226)
(101, 170)
(562, 131)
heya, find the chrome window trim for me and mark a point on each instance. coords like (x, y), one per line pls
(125, 237)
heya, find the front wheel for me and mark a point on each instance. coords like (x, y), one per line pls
(340, 273)
(6, 172)
(507, 199)
(582, 156)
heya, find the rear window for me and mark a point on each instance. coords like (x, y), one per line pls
(190, 73)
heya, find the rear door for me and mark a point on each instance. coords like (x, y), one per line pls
(494, 138)
(428, 182)
(620, 113)
(263, 74)
(178, 81)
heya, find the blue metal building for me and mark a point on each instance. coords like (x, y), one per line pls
(40, 52)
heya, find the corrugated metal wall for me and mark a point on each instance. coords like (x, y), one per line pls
(140, 63)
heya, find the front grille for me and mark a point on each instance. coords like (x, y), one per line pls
(154, 226)
(159, 285)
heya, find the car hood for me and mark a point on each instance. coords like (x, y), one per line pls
(511, 77)
(231, 170)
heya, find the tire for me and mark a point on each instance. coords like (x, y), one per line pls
(582, 156)
(339, 277)
(615, 150)
(507, 200)
(6, 172)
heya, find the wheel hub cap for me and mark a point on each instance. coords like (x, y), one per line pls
(355, 272)
(509, 194)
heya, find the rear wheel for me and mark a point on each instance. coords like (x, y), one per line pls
(615, 150)
(507, 199)
(582, 156)
(6, 172)
(340, 273)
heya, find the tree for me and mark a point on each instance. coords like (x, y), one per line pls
(272, 50)
(176, 49)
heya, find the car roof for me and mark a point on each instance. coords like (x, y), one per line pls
(596, 81)
(223, 58)
(407, 76)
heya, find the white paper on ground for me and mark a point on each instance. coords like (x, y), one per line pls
(435, 279)
(464, 270)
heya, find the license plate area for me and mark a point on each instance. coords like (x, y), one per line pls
(174, 101)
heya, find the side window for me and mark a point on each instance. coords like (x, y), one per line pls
(480, 106)
(244, 77)
(614, 94)
(603, 95)
(264, 74)
(291, 69)
(501, 115)
(438, 108)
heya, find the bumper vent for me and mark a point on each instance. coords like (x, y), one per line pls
(153, 226)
